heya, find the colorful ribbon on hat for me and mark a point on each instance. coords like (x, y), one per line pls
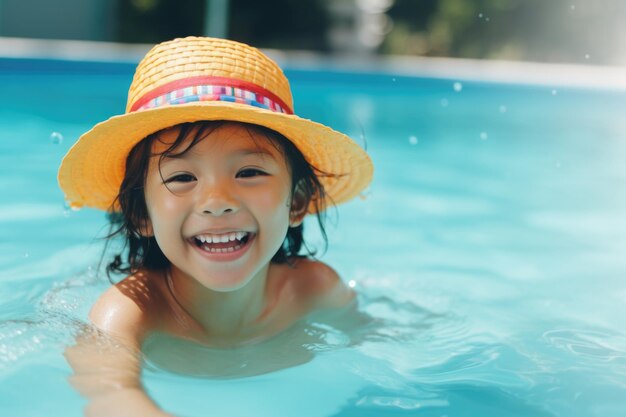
(203, 88)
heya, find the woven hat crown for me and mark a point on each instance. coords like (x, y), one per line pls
(210, 57)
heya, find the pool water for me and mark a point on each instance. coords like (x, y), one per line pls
(488, 253)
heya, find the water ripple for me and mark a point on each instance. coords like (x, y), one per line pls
(29, 212)
(53, 316)
(28, 339)
(591, 346)
(402, 403)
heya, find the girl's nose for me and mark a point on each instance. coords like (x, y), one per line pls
(218, 211)
(217, 201)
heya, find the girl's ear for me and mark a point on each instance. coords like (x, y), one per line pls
(299, 206)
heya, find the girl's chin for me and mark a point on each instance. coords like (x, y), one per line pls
(223, 283)
(220, 277)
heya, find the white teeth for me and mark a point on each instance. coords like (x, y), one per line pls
(223, 238)
(222, 250)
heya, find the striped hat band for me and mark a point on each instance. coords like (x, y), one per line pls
(207, 88)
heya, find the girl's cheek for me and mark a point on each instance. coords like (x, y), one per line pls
(272, 199)
(169, 203)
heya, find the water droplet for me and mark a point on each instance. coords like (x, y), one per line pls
(458, 87)
(573, 6)
(503, 109)
(56, 138)
(413, 140)
(393, 80)
(480, 15)
(67, 207)
(444, 102)
(558, 164)
(554, 92)
(352, 283)
(26, 255)
(484, 136)
(486, 19)
(587, 56)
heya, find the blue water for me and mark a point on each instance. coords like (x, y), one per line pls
(488, 252)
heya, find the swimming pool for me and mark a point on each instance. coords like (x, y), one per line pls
(488, 252)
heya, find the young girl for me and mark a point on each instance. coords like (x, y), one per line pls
(208, 177)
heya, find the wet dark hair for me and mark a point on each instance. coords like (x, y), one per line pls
(141, 252)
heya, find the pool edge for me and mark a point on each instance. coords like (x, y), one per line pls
(510, 72)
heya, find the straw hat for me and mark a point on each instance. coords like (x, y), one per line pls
(192, 79)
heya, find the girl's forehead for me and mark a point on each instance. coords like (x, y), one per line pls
(229, 137)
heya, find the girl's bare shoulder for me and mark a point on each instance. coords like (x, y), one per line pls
(320, 285)
(126, 309)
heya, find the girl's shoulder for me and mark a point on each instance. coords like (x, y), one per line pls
(319, 285)
(124, 309)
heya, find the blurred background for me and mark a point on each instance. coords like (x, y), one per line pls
(558, 31)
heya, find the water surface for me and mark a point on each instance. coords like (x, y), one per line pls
(487, 253)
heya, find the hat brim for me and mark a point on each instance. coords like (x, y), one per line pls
(92, 171)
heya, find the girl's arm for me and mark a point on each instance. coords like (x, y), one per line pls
(107, 365)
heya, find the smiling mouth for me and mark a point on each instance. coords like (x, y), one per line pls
(222, 243)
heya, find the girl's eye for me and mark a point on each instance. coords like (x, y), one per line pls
(181, 178)
(250, 172)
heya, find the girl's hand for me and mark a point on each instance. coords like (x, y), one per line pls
(107, 373)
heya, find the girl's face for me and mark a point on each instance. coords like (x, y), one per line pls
(221, 210)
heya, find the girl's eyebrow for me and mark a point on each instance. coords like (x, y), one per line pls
(239, 154)
(255, 151)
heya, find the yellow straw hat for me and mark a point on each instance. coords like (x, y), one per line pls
(193, 79)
